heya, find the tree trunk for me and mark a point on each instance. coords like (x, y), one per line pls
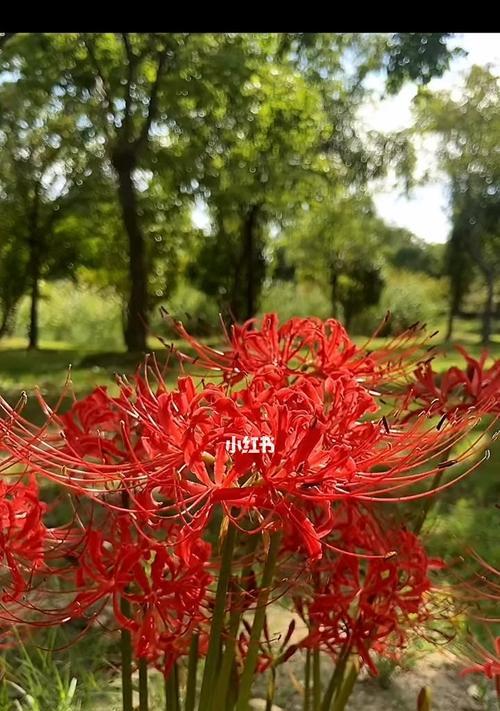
(4, 323)
(249, 238)
(488, 307)
(455, 300)
(124, 163)
(7, 320)
(449, 326)
(34, 275)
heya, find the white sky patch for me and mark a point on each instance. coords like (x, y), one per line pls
(200, 215)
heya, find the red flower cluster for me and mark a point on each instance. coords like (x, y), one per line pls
(368, 601)
(474, 388)
(22, 533)
(155, 465)
(158, 588)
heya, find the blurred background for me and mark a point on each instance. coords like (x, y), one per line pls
(330, 174)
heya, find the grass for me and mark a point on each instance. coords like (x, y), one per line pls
(39, 674)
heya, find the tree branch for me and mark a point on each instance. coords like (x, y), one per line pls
(132, 61)
(100, 73)
(153, 99)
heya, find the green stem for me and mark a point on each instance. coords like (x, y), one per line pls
(335, 681)
(212, 658)
(430, 500)
(227, 666)
(271, 690)
(126, 654)
(346, 689)
(232, 692)
(316, 680)
(172, 690)
(126, 645)
(307, 681)
(427, 504)
(192, 674)
(227, 659)
(143, 685)
(258, 623)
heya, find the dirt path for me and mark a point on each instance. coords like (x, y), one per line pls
(436, 670)
(449, 691)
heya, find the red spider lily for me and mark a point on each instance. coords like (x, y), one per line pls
(93, 428)
(22, 534)
(163, 583)
(275, 352)
(488, 663)
(371, 601)
(301, 346)
(325, 451)
(457, 390)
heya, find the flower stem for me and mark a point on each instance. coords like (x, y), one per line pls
(191, 674)
(126, 655)
(316, 663)
(335, 680)
(430, 500)
(237, 606)
(227, 659)
(126, 644)
(271, 689)
(143, 685)
(307, 681)
(346, 689)
(172, 690)
(212, 658)
(258, 623)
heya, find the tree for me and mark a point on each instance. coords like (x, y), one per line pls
(166, 222)
(13, 276)
(258, 125)
(403, 250)
(119, 77)
(418, 57)
(470, 132)
(340, 245)
(291, 144)
(145, 104)
(110, 85)
(263, 159)
(40, 170)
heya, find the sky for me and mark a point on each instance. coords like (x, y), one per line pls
(425, 211)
